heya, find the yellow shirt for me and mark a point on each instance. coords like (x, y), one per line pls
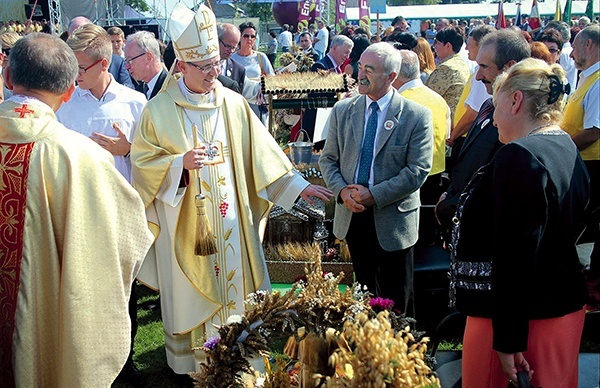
(461, 108)
(572, 121)
(417, 92)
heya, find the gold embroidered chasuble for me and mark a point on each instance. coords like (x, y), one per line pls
(81, 249)
(196, 291)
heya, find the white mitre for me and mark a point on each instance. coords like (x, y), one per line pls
(194, 35)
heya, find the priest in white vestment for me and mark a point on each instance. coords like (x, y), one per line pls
(242, 170)
(72, 237)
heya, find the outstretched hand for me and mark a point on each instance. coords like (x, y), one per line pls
(316, 191)
(118, 146)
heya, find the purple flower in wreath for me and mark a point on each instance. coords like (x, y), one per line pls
(380, 304)
(211, 343)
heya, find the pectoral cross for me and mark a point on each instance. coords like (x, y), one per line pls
(211, 151)
(23, 111)
(207, 25)
(214, 153)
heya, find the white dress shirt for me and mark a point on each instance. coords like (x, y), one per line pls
(86, 114)
(591, 101)
(383, 103)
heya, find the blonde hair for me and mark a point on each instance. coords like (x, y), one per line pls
(423, 51)
(93, 40)
(535, 78)
(8, 39)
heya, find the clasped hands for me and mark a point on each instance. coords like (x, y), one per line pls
(357, 198)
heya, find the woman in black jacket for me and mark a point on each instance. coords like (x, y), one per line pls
(515, 269)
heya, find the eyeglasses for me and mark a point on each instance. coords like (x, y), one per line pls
(206, 68)
(553, 50)
(227, 46)
(6, 51)
(83, 70)
(128, 61)
(248, 36)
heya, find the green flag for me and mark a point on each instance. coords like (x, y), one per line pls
(566, 17)
(589, 10)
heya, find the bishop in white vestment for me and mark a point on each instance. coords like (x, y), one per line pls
(242, 170)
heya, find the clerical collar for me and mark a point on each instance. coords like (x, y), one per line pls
(193, 97)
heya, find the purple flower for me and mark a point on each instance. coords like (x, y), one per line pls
(379, 303)
(211, 343)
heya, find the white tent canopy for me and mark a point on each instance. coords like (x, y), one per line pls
(468, 11)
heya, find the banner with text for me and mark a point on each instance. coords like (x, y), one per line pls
(364, 15)
(303, 14)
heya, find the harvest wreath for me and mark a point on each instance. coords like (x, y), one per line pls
(337, 339)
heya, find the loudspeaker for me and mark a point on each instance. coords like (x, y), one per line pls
(37, 14)
(41, 10)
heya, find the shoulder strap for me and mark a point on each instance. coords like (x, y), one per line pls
(262, 70)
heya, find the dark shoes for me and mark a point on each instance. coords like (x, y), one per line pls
(130, 374)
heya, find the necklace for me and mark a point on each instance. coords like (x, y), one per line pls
(536, 129)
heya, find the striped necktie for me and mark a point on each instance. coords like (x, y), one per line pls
(485, 110)
(366, 154)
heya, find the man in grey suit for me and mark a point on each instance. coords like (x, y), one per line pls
(377, 154)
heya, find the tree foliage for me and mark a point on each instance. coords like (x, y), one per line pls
(138, 5)
(263, 11)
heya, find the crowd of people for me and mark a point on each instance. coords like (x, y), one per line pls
(119, 149)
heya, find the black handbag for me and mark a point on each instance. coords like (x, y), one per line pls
(522, 380)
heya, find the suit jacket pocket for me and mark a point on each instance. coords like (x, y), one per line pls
(410, 203)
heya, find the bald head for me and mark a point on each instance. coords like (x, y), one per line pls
(77, 22)
(409, 70)
(229, 38)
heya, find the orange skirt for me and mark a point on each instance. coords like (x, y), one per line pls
(552, 353)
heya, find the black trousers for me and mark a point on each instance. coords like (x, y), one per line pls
(133, 299)
(387, 274)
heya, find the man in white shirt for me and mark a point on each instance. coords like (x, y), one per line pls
(101, 108)
(108, 113)
(142, 60)
(285, 38)
(321, 40)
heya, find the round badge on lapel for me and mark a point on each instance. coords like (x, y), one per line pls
(485, 122)
(388, 125)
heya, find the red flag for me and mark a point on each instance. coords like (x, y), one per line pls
(534, 16)
(500, 20)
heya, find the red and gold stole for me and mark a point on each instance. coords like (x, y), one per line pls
(14, 170)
